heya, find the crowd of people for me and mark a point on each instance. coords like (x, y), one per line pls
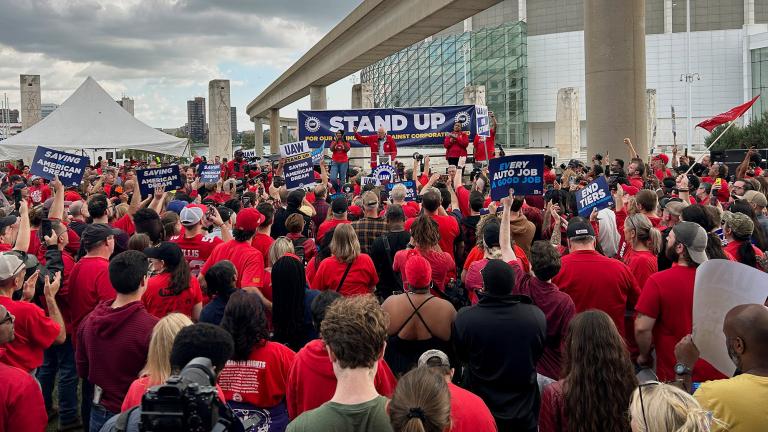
(356, 308)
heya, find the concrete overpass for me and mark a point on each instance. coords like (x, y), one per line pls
(371, 32)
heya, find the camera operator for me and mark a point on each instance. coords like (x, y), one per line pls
(199, 340)
(236, 168)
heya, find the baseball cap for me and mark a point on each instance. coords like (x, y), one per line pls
(10, 266)
(176, 206)
(167, 251)
(19, 186)
(756, 198)
(249, 219)
(662, 157)
(578, 227)
(191, 216)
(433, 354)
(740, 223)
(339, 206)
(7, 221)
(417, 272)
(491, 234)
(694, 238)
(95, 233)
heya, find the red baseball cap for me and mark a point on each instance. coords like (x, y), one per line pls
(249, 219)
(662, 157)
(418, 272)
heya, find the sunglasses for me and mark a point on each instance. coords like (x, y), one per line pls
(642, 403)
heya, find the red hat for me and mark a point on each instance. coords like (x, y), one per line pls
(662, 157)
(249, 219)
(72, 196)
(630, 190)
(418, 272)
(355, 210)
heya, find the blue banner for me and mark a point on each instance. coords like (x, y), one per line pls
(523, 173)
(209, 173)
(408, 126)
(49, 163)
(595, 195)
(168, 178)
(410, 187)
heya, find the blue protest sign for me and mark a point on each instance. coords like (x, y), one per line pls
(298, 169)
(523, 173)
(49, 163)
(595, 195)
(209, 173)
(385, 173)
(168, 178)
(482, 121)
(407, 126)
(410, 187)
(317, 154)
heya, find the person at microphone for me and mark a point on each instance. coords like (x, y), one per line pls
(455, 144)
(339, 159)
(381, 144)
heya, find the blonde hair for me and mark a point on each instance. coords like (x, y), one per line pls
(121, 210)
(158, 367)
(645, 232)
(279, 248)
(345, 246)
(666, 408)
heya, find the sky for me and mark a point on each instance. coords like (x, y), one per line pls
(162, 53)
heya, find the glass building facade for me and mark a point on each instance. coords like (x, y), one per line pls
(759, 80)
(436, 71)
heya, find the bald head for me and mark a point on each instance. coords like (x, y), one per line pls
(746, 332)
(382, 132)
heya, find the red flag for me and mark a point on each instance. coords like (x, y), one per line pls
(727, 116)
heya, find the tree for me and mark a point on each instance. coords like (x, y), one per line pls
(737, 137)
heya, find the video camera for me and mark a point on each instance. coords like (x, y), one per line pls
(187, 402)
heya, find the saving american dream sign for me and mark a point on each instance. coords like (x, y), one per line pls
(595, 195)
(164, 177)
(298, 168)
(408, 126)
(523, 173)
(49, 163)
(209, 173)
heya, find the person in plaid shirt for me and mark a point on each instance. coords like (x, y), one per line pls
(371, 226)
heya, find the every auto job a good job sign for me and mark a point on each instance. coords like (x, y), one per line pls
(523, 173)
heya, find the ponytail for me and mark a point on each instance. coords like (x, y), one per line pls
(746, 252)
(715, 247)
(421, 402)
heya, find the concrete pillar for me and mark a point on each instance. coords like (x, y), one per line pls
(317, 99)
(567, 124)
(219, 120)
(651, 119)
(749, 12)
(274, 131)
(258, 136)
(362, 98)
(522, 10)
(474, 95)
(667, 16)
(614, 52)
(30, 100)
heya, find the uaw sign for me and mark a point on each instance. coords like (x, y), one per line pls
(298, 168)
(49, 163)
(408, 126)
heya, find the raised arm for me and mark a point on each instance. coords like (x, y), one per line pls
(741, 170)
(57, 208)
(22, 235)
(632, 151)
(505, 241)
(135, 203)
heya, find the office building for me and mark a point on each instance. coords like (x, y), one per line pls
(126, 103)
(233, 121)
(8, 115)
(47, 108)
(196, 119)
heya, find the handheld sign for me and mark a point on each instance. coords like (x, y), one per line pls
(209, 173)
(317, 154)
(250, 153)
(166, 177)
(49, 163)
(483, 121)
(595, 195)
(364, 181)
(299, 170)
(410, 189)
(523, 173)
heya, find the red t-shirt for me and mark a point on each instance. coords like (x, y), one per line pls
(476, 254)
(35, 332)
(642, 264)
(468, 412)
(196, 249)
(38, 194)
(723, 194)
(339, 151)
(219, 197)
(733, 249)
(311, 381)
(247, 260)
(441, 262)
(668, 297)
(361, 277)
(125, 223)
(261, 380)
(160, 301)
(484, 146)
(140, 386)
(262, 243)
(21, 403)
(449, 230)
(597, 282)
(89, 285)
(327, 226)
(5, 247)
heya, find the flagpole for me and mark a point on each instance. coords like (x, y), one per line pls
(710, 146)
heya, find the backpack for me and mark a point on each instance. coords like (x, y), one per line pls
(298, 248)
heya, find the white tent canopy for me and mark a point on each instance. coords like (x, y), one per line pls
(90, 119)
